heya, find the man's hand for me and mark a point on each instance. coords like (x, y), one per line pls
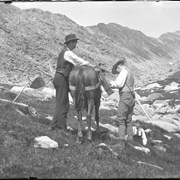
(90, 65)
(111, 84)
(101, 68)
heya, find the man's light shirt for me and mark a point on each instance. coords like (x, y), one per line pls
(74, 59)
(120, 80)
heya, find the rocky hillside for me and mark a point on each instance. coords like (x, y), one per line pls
(172, 40)
(31, 40)
(144, 54)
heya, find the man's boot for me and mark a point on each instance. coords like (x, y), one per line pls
(119, 146)
(130, 138)
(122, 131)
(130, 133)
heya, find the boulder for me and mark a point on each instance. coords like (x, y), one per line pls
(162, 110)
(155, 96)
(177, 108)
(49, 92)
(177, 123)
(37, 83)
(41, 93)
(151, 86)
(45, 142)
(167, 124)
(163, 107)
(27, 91)
(169, 127)
(156, 117)
(168, 118)
(172, 86)
(159, 103)
(148, 108)
(144, 98)
(140, 118)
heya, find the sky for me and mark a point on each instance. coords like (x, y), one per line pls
(150, 17)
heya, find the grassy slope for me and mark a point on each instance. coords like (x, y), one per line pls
(18, 157)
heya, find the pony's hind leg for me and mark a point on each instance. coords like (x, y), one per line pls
(97, 101)
(97, 119)
(89, 112)
(80, 134)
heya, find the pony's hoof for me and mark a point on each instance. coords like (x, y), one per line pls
(79, 140)
(98, 134)
(89, 136)
(90, 140)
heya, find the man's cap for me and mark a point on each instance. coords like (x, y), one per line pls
(70, 37)
(114, 68)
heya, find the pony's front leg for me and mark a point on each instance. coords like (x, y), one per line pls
(97, 119)
(97, 101)
(80, 134)
(90, 109)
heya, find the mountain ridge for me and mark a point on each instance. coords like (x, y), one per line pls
(32, 39)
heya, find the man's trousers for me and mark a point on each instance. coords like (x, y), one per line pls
(125, 112)
(62, 101)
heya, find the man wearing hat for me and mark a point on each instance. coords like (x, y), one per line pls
(125, 83)
(66, 60)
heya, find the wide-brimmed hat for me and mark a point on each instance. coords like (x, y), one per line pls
(70, 37)
(122, 60)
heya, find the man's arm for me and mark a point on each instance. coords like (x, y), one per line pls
(120, 80)
(74, 59)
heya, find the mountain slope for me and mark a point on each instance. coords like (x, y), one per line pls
(144, 54)
(31, 40)
(172, 40)
(137, 42)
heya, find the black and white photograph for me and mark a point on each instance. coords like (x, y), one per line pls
(89, 89)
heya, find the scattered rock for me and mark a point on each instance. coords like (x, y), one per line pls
(27, 110)
(45, 142)
(156, 141)
(146, 150)
(160, 147)
(168, 137)
(102, 151)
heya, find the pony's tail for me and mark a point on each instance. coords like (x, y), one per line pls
(80, 91)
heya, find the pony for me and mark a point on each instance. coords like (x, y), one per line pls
(84, 85)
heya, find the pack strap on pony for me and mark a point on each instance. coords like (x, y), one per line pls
(87, 88)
